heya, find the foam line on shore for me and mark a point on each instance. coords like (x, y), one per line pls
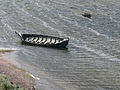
(7, 49)
(37, 78)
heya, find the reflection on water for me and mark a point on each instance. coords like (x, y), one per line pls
(93, 55)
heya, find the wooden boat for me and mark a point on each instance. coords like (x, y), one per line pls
(43, 40)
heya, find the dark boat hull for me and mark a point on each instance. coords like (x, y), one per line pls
(63, 45)
(43, 40)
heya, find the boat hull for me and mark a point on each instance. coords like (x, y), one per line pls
(61, 45)
(43, 40)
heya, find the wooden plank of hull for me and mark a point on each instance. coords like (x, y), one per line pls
(39, 40)
(44, 40)
(36, 39)
(57, 41)
(53, 40)
(47, 41)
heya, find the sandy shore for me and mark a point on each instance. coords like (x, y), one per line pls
(16, 75)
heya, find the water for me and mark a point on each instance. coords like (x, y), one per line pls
(92, 60)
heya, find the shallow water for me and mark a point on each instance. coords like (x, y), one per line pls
(92, 60)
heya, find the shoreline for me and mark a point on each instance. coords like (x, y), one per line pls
(16, 75)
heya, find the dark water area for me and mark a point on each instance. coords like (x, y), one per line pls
(92, 60)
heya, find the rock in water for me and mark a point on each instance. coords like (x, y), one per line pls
(88, 15)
